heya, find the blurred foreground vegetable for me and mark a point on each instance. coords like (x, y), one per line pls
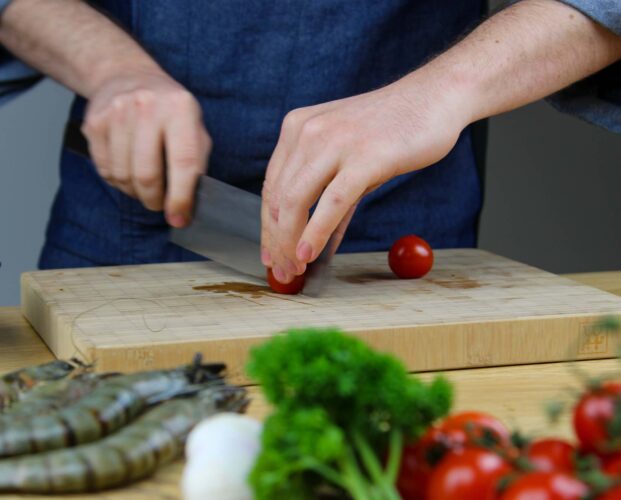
(342, 412)
(220, 452)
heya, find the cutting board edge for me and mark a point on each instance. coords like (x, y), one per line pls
(466, 345)
(40, 314)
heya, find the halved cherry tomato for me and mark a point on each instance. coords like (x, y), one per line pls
(410, 257)
(592, 418)
(550, 454)
(546, 486)
(471, 474)
(292, 288)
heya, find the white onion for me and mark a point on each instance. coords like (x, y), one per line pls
(220, 454)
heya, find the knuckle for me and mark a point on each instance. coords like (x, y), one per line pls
(148, 178)
(314, 128)
(144, 98)
(182, 98)
(293, 119)
(337, 195)
(289, 200)
(187, 160)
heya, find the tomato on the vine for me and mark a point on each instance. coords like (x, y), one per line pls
(612, 465)
(292, 288)
(612, 494)
(471, 474)
(551, 454)
(417, 462)
(454, 433)
(594, 416)
(410, 257)
(546, 486)
(472, 428)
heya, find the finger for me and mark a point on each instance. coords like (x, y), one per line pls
(187, 146)
(286, 140)
(95, 129)
(148, 160)
(334, 205)
(119, 147)
(306, 186)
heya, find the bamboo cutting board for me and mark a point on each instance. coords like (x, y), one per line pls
(473, 309)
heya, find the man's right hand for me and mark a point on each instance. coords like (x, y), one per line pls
(147, 138)
(144, 130)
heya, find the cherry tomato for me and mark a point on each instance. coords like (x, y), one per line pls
(292, 288)
(418, 461)
(612, 494)
(471, 474)
(468, 427)
(612, 465)
(546, 486)
(410, 257)
(593, 415)
(548, 455)
(454, 433)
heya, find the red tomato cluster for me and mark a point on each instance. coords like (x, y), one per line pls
(472, 456)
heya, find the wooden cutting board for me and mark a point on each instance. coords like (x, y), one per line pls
(473, 309)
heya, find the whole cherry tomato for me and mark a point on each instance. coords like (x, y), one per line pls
(593, 416)
(292, 288)
(546, 486)
(612, 494)
(410, 257)
(612, 465)
(474, 427)
(454, 433)
(471, 474)
(550, 454)
(417, 462)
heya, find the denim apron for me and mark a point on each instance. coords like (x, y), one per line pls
(249, 63)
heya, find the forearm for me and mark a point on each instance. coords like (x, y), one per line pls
(523, 53)
(71, 42)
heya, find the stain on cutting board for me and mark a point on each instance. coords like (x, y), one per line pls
(230, 288)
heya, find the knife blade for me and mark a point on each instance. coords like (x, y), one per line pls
(226, 228)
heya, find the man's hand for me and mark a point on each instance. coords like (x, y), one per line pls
(139, 119)
(147, 138)
(337, 152)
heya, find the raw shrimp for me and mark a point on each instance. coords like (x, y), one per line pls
(132, 453)
(52, 396)
(16, 383)
(111, 405)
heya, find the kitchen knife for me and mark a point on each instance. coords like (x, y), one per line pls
(226, 228)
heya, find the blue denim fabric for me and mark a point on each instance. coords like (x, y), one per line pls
(596, 99)
(249, 63)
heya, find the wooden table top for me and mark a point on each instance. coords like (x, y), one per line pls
(515, 394)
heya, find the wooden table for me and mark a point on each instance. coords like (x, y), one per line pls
(516, 394)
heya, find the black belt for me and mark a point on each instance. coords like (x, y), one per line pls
(74, 139)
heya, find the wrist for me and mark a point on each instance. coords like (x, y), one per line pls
(116, 69)
(452, 85)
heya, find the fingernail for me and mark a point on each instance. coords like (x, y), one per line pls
(290, 267)
(279, 274)
(304, 252)
(177, 220)
(266, 257)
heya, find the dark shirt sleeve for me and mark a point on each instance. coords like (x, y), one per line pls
(15, 76)
(596, 99)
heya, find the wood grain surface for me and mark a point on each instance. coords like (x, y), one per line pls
(515, 394)
(474, 309)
